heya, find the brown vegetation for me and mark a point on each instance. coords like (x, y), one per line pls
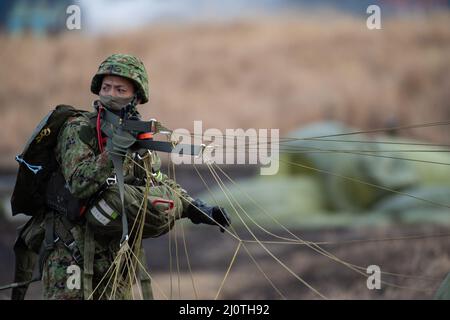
(262, 73)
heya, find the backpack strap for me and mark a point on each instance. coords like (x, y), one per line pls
(24, 265)
(65, 232)
(146, 284)
(89, 252)
(26, 259)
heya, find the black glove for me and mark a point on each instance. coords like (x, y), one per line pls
(200, 212)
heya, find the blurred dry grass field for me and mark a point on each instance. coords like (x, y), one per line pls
(420, 266)
(271, 73)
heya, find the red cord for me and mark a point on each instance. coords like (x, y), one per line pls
(99, 129)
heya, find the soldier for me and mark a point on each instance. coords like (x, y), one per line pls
(85, 167)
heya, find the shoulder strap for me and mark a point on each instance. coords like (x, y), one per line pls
(23, 274)
(88, 253)
(26, 259)
(146, 284)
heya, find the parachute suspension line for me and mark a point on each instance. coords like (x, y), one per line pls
(313, 245)
(170, 267)
(170, 235)
(361, 267)
(130, 264)
(184, 244)
(425, 144)
(295, 151)
(279, 237)
(190, 202)
(173, 234)
(120, 282)
(241, 241)
(287, 143)
(318, 249)
(223, 188)
(126, 260)
(175, 228)
(141, 218)
(131, 273)
(177, 259)
(111, 273)
(308, 151)
(354, 241)
(185, 248)
(234, 255)
(181, 196)
(119, 265)
(228, 270)
(377, 156)
(321, 138)
(105, 276)
(400, 275)
(366, 183)
(188, 261)
(147, 168)
(137, 243)
(150, 277)
(307, 244)
(413, 126)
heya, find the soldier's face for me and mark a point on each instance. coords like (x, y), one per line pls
(117, 87)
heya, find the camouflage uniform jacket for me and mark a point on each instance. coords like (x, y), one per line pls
(86, 169)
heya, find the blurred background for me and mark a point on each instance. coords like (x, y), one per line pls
(310, 69)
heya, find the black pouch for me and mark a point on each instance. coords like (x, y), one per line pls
(60, 199)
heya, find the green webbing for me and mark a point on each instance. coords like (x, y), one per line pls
(118, 167)
(443, 293)
(146, 284)
(89, 252)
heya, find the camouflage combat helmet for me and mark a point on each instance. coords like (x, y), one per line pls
(126, 66)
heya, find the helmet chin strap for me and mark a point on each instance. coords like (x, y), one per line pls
(130, 111)
(133, 102)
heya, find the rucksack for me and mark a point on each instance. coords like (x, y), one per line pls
(37, 162)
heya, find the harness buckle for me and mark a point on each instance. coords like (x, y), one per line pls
(71, 246)
(111, 181)
(76, 254)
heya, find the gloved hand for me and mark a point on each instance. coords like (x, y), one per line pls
(200, 212)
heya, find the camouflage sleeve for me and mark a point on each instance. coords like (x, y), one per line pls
(164, 179)
(185, 198)
(83, 166)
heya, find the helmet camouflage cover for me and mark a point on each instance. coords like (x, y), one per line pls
(126, 66)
